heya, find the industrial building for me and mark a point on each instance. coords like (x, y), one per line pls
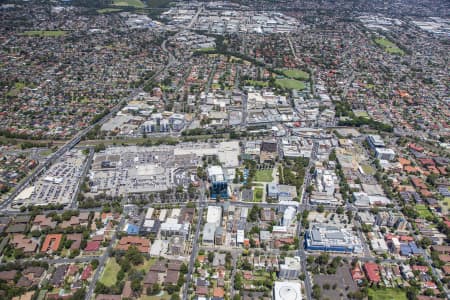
(331, 238)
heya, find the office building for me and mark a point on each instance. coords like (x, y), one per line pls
(291, 268)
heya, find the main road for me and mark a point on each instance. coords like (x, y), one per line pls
(102, 261)
(61, 151)
(195, 242)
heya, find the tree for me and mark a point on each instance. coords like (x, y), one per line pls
(74, 253)
(120, 275)
(94, 263)
(35, 233)
(183, 268)
(320, 208)
(210, 256)
(80, 294)
(254, 214)
(323, 258)
(340, 210)
(136, 285)
(238, 282)
(155, 289)
(134, 256)
(425, 242)
(317, 291)
(175, 297)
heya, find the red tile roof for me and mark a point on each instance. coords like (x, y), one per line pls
(141, 243)
(357, 273)
(87, 272)
(423, 269)
(92, 246)
(372, 271)
(51, 242)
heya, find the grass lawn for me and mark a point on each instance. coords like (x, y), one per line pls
(295, 74)
(291, 84)
(108, 10)
(389, 46)
(447, 201)
(446, 205)
(423, 211)
(46, 152)
(361, 113)
(146, 265)
(48, 33)
(133, 3)
(256, 83)
(18, 87)
(159, 3)
(164, 296)
(200, 50)
(257, 194)
(369, 170)
(387, 294)
(109, 276)
(263, 176)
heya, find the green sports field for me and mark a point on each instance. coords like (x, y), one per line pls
(46, 33)
(295, 74)
(133, 3)
(291, 84)
(389, 46)
(108, 10)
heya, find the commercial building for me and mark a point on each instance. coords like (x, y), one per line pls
(331, 238)
(384, 154)
(325, 180)
(281, 192)
(214, 215)
(272, 190)
(289, 216)
(375, 141)
(322, 198)
(209, 231)
(291, 268)
(284, 290)
(240, 237)
(172, 228)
